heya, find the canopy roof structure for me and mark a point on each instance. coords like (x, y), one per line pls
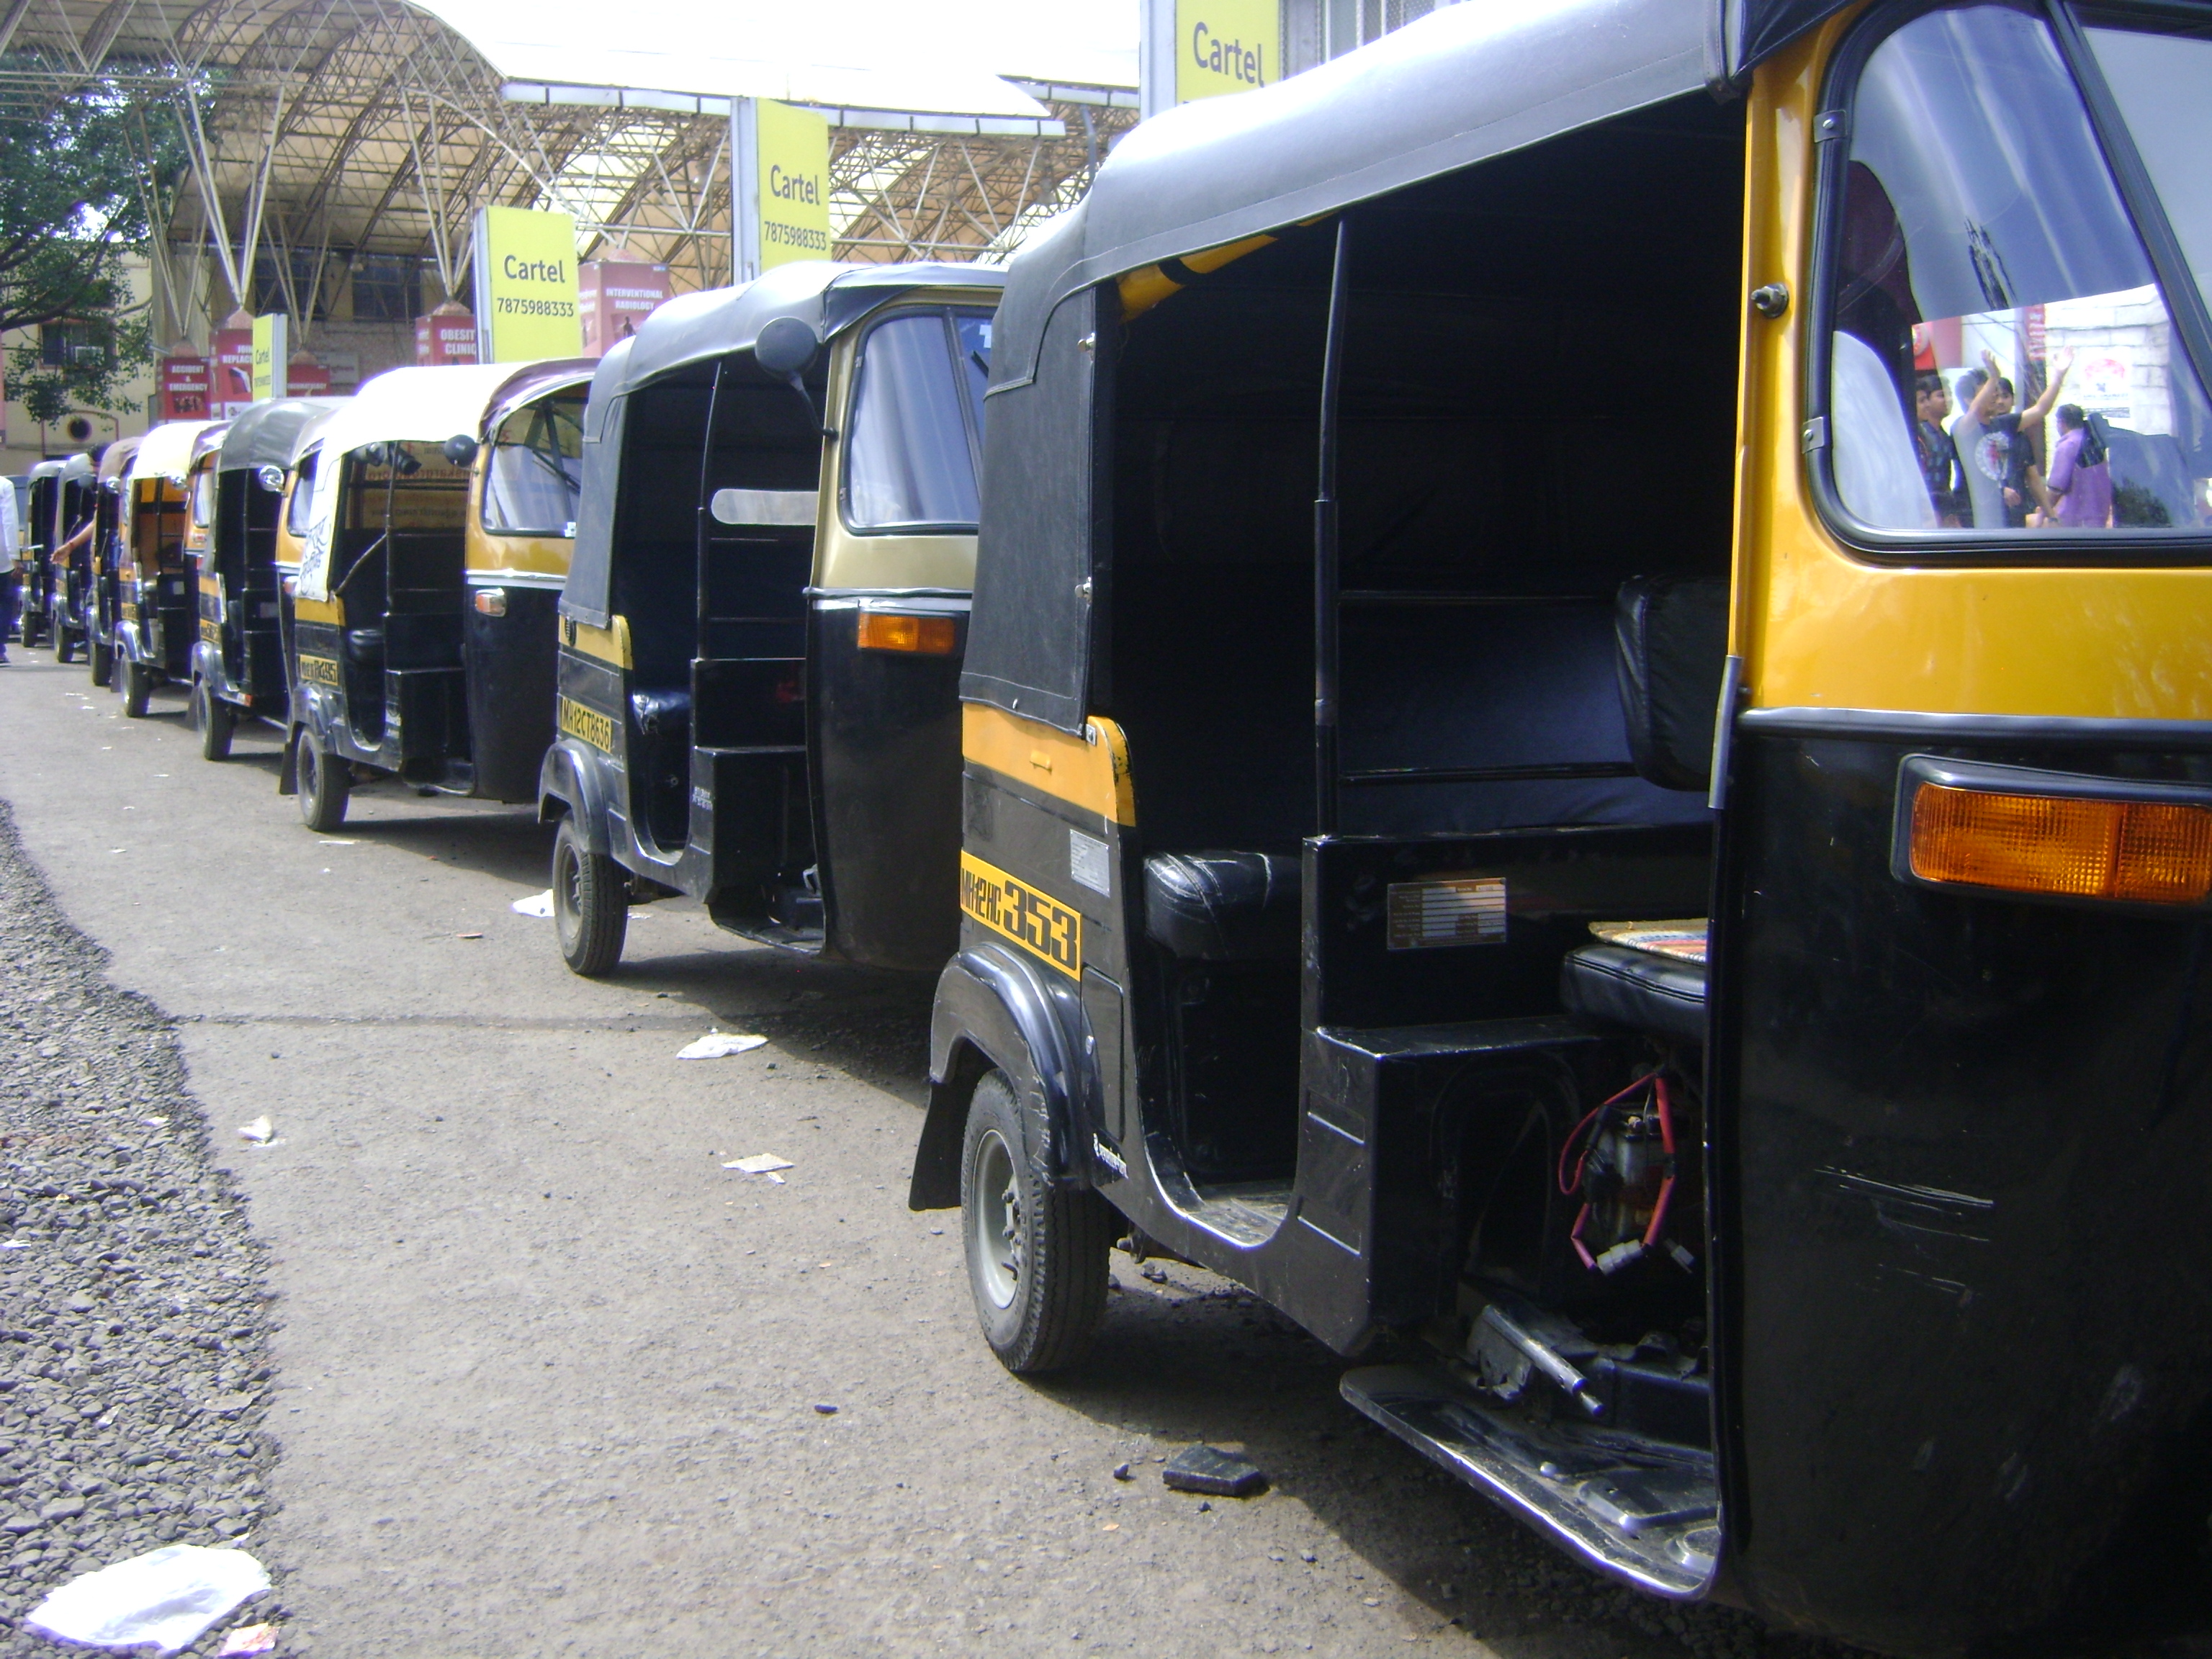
(324, 131)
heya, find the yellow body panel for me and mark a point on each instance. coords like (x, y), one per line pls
(330, 611)
(1091, 771)
(609, 645)
(1818, 627)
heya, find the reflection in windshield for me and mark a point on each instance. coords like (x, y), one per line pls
(303, 496)
(911, 464)
(1993, 283)
(2161, 83)
(536, 470)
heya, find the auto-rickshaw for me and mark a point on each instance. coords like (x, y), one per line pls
(761, 635)
(42, 490)
(151, 623)
(441, 516)
(1529, 800)
(92, 573)
(239, 502)
(65, 497)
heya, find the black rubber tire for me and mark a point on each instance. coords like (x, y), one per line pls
(590, 904)
(214, 720)
(137, 688)
(64, 644)
(101, 658)
(325, 786)
(1044, 1251)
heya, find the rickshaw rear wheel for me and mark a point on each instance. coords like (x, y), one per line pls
(137, 688)
(1036, 1256)
(64, 644)
(325, 785)
(213, 719)
(102, 660)
(590, 904)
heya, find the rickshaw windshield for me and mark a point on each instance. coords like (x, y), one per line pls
(303, 496)
(2003, 359)
(204, 497)
(535, 472)
(916, 427)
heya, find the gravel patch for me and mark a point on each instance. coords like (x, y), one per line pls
(134, 1320)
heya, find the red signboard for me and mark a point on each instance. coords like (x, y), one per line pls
(183, 389)
(446, 335)
(305, 378)
(614, 296)
(233, 391)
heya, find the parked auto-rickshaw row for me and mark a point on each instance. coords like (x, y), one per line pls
(1492, 774)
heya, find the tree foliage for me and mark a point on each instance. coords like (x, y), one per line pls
(76, 176)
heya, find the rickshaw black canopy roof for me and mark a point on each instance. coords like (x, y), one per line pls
(695, 328)
(1462, 85)
(266, 434)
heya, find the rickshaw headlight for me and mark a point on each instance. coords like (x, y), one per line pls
(2137, 852)
(931, 635)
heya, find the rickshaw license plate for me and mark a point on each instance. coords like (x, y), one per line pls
(1429, 915)
(1034, 921)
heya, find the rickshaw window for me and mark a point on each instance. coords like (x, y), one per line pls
(204, 497)
(303, 496)
(916, 426)
(2004, 381)
(535, 473)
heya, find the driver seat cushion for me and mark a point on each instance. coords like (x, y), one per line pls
(1223, 907)
(1643, 990)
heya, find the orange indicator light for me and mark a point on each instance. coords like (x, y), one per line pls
(2139, 852)
(932, 635)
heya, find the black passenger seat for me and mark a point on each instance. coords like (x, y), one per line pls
(1223, 907)
(1670, 639)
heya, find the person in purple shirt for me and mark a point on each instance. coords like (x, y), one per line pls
(2080, 479)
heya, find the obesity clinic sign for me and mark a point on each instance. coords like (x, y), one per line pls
(526, 285)
(786, 215)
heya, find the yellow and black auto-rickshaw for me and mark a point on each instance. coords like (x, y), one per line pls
(761, 637)
(441, 515)
(239, 500)
(64, 500)
(93, 567)
(1533, 792)
(47, 484)
(150, 624)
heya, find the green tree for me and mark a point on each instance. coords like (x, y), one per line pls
(76, 176)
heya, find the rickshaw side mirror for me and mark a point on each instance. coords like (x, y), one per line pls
(460, 449)
(785, 345)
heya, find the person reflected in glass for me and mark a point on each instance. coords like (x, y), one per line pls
(2081, 482)
(1996, 449)
(1938, 455)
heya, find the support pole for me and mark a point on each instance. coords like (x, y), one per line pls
(1325, 543)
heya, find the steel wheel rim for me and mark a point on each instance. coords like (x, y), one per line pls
(568, 890)
(995, 1215)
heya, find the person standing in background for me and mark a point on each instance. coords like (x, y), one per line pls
(1938, 455)
(11, 597)
(1995, 449)
(2081, 481)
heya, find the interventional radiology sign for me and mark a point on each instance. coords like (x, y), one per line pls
(792, 160)
(1226, 45)
(526, 285)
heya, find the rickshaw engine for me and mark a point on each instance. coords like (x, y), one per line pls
(1621, 1161)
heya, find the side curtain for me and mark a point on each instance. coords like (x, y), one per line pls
(588, 596)
(1030, 636)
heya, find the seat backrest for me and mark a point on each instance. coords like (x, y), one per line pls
(1670, 635)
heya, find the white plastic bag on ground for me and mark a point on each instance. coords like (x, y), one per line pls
(715, 1044)
(761, 1164)
(166, 1597)
(539, 905)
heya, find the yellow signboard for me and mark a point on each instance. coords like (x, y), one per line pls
(525, 279)
(271, 357)
(794, 159)
(1226, 45)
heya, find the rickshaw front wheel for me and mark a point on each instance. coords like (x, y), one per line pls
(102, 658)
(1036, 1257)
(325, 785)
(137, 688)
(590, 904)
(64, 643)
(213, 719)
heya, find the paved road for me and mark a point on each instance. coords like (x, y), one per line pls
(549, 1373)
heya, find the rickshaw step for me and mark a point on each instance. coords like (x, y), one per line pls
(1647, 1519)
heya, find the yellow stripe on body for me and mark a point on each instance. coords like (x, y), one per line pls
(1092, 772)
